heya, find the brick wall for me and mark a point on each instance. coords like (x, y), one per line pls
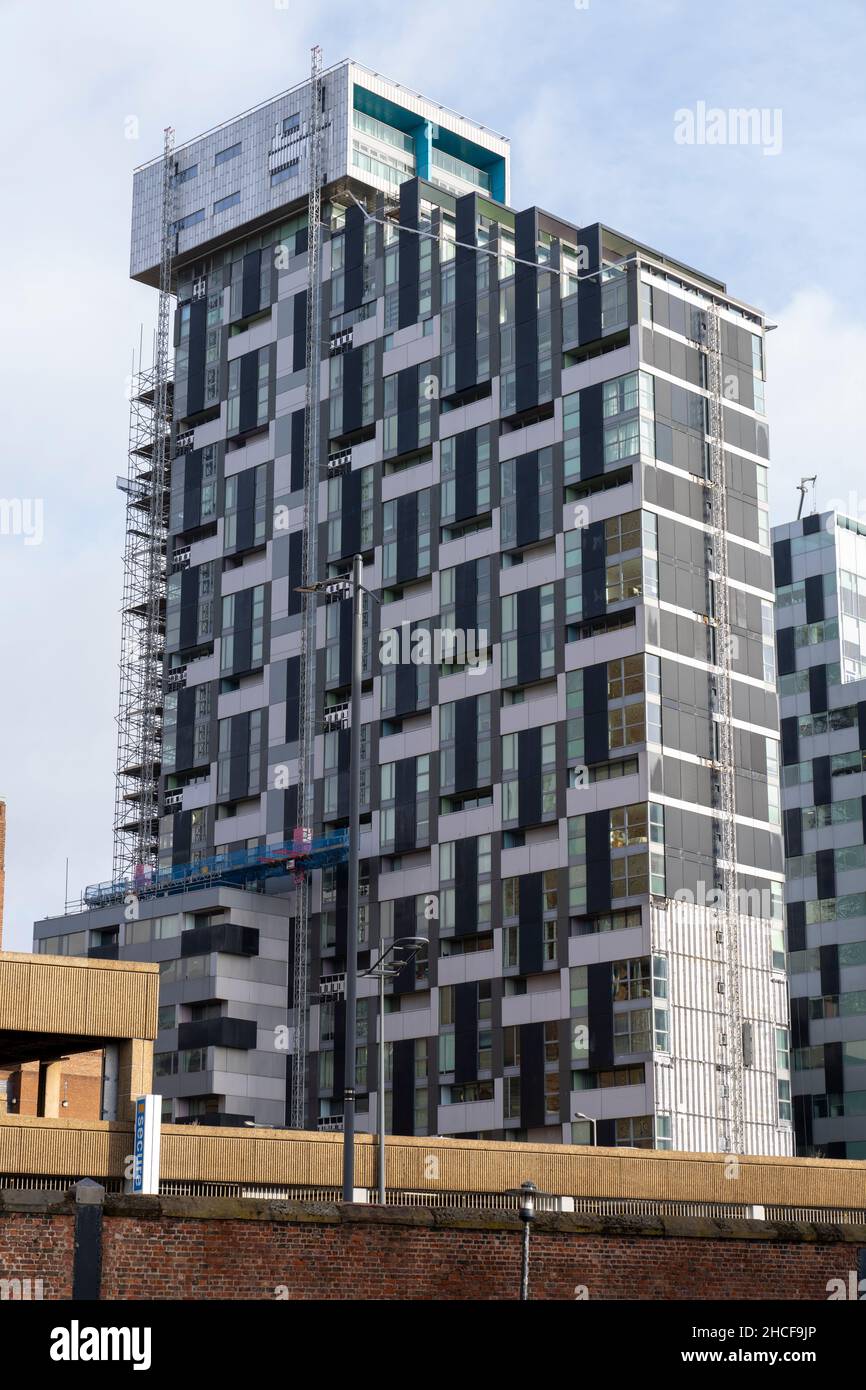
(35, 1246)
(79, 1084)
(198, 1248)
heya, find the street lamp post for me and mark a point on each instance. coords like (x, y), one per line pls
(527, 1192)
(333, 587)
(388, 966)
(380, 1099)
(354, 851)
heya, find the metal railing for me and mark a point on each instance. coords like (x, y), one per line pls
(465, 1201)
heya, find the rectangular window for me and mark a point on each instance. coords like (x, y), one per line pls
(635, 1132)
(632, 1031)
(230, 152)
(614, 299)
(784, 1091)
(230, 201)
(189, 220)
(511, 1098)
(289, 171)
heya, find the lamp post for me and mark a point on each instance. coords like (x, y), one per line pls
(527, 1192)
(354, 842)
(336, 587)
(389, 965)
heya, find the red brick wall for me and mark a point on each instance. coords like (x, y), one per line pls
(194, 1248)
(38, 1247)
(239, 1259)
(80, 1086)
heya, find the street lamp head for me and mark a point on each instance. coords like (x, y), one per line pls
(340, 587)
(528, 1193)
(393, 960)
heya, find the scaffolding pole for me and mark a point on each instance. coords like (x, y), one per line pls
(146, 486)
(309, 565)
(728, 937)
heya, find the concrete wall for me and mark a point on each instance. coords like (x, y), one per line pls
(65, 1149)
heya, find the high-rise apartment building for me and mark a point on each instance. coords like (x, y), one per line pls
(820, 566)
(519, 427)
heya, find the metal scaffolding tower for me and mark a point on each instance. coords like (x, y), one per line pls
(308, 721)
(147, 486)
(728, 934)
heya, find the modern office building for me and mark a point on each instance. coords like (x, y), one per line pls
(820, 566)
(519, 424)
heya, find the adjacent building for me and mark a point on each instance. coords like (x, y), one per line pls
(820, 567)
(519, 424)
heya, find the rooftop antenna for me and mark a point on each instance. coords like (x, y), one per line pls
(802, 491)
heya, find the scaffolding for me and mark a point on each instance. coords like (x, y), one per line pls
(246, 868)
(147, 489)
(730, 1051)
(309, 565)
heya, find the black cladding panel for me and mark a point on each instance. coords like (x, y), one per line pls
(465, 475)
(595, 713)
(528, 635)
(598, 889)
(248, 411)
(465, 294)
(352, 390)
(299, 330)
(589, 287)
(526, 311)
(465, 1032)
(782, 563)
(600, 1014)
(251, 283)
(196, 356)
(466, 744)
(466, 887)
(404, 1086)
(409, 255)
(591, 431)
(296, 480)
(529, 798)
(532, 1103)
(526, 469)
(353, 291)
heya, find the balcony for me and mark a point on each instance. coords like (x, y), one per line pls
(217, 1032)
(108, 952)
(227, 937)
(222, 1118)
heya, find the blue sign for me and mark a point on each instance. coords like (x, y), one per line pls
(138, 1149)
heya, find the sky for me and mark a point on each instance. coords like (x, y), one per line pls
(603, 103)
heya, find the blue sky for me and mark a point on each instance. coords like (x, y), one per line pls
(588, 94)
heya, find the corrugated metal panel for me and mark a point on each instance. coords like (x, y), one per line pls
(691, 1088)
